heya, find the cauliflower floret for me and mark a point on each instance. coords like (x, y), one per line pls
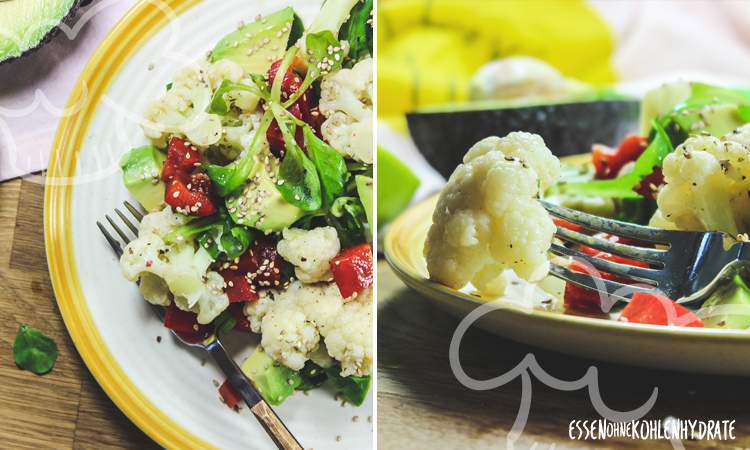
(257, 310)
(313, 322)
(293, 322)
(349, 337)
(182, 110)
(164, 267)
(528, 147)
(707, 180)
(289, 337)
(346, 102)
(487, 218)
(211, 302)
(310, 252)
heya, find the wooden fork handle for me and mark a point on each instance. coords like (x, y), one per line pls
(275, 427)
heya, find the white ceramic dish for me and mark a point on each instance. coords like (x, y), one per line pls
(164, 388)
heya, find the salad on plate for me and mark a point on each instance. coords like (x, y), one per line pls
(688, 169)
(257, 183)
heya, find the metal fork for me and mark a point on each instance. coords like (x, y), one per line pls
(689, 269)
(275, 428)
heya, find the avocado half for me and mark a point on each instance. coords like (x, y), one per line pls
(567, 128)
(28, 24)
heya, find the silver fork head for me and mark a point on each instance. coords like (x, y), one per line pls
(687, 269)
(118, 247)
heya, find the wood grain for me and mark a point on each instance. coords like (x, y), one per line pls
(65, 408)
(275, 427)
(422, 405)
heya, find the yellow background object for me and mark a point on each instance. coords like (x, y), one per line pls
(428, 50)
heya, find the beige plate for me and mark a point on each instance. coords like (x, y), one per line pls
(685, 349)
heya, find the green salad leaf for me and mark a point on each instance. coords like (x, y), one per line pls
(311, 376)
(324, 53)
(219, 104)
(352, 388)
(330, 165)
(298, 179)
(34, 351)
(217, 234)
(225, 322)
(357, 31)
(229, 178)
(622, 187)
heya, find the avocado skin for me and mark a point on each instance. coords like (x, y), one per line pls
(72, 12)
(567, 128)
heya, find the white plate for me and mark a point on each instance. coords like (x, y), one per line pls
(164, 388)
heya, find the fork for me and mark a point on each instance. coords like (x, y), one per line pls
(275, 428)
(687, 266)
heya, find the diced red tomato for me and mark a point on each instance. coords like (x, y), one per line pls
(182, 158)
(239, 288)
(188, 198)
(649, 185)
(352, 269)
(658, 310)
(229, 394)
(569, 225)
(608, 161)
(241, 322)
(184, 323)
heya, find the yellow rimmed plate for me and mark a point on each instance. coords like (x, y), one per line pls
(163, 388)
(676, 348)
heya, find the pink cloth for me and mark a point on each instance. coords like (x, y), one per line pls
(35, 88)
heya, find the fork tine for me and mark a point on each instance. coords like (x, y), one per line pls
(614, 289)
(127, 222)
(111, 240)
(637, 273)
(628, 251)
(133, 210)
(117, 229)
(616, 227)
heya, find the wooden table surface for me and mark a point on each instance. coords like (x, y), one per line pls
(422, 405)
(65, 408)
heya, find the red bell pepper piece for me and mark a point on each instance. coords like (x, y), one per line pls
(182, 159)
(352, 269)
(569, 225)
(300, 109)
(658, 310)
(259, 267)
(608, 161)
(187, 191)
(192, 197)
(263, 262)
(581, 298)
(184, 323)
(229, 394)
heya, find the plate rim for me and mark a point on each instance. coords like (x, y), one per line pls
(129, 34)
(412, 278)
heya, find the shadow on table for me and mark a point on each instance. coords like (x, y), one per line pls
(413, 342)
